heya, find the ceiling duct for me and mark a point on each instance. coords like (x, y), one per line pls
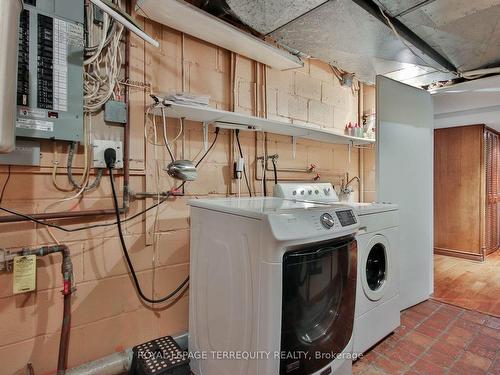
(464, 33)
(264, 16)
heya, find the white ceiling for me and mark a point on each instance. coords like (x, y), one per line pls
(473, 102)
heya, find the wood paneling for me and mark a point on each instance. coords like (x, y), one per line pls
(465, 181)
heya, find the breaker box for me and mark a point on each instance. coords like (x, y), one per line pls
(50, 70)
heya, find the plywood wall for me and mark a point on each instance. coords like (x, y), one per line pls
(108, 316)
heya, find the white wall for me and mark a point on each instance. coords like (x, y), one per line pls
(473, 102)
(405, 174)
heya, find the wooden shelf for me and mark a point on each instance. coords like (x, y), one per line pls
(232, 120)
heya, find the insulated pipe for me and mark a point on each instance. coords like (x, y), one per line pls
(117, 363)
(114, 364)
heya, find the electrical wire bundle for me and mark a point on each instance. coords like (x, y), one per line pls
(103, 60)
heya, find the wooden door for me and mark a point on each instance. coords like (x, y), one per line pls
(458, 184)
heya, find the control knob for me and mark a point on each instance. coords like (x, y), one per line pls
(327, 221)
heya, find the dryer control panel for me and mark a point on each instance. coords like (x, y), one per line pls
(311, 223)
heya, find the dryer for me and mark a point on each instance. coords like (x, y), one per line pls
(272, 287)
(377, 311)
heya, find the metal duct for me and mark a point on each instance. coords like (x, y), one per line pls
(266, 16)
(343, 33)
(9, 25)
(464, 32)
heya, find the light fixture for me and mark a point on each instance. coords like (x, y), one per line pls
(121, 17)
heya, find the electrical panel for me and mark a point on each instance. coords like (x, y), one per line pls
(50, 70)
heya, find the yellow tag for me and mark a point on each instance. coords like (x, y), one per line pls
(24, 273)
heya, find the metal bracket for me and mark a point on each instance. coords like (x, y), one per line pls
(351, 145)
(294, 147)
(205, 135)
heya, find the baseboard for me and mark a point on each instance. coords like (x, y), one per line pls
(491, 251)
(459, 254)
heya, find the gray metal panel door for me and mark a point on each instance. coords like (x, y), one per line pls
(405, 176)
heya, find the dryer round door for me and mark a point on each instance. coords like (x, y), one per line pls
(375, 267)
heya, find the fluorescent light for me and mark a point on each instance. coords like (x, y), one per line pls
(124, 19)
(187, 18)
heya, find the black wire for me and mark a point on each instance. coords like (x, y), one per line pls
(124, 245)
(241, 155)
(5, 184)
(127, 257)
(77, 229)
(264, 167)
(275, 171)
(210, 148)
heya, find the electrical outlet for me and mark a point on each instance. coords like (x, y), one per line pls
(98, 148)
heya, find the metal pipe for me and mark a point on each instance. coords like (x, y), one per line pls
(126, 126)
(68, 289)
(62, 362)
(371, 7)
(59, 215)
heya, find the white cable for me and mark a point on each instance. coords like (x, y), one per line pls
(105, 26)
(103, 67)
(86, 174)
(474, 74)
(410, 47)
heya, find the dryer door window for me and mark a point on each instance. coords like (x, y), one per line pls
(319, 287)
(376, 267)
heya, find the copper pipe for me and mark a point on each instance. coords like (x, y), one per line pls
(68, 289)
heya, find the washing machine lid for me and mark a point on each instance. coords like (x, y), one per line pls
(259, 207)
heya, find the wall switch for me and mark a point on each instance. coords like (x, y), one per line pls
(98, 148)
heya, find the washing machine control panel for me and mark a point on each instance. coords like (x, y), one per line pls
(321, 191)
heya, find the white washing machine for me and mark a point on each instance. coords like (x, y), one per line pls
(272, 288)
(377, 311)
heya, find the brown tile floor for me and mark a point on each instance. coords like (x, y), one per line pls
(436, 338)
(469, 284)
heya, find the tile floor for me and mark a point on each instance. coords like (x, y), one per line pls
(469, 284)
(436, 338)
